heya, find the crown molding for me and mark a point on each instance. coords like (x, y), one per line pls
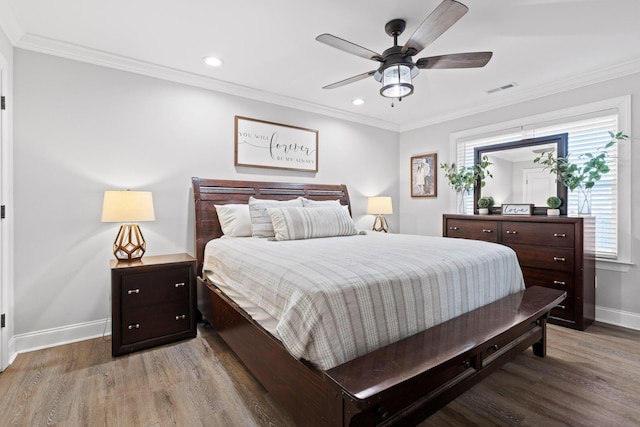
(93, 56)
(575, 82)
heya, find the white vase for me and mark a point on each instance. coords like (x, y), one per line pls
(553, 212)
(483, 211)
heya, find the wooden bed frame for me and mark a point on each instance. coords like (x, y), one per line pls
(402, 383)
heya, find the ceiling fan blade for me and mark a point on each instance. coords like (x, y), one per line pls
(455, 60)
(439, 21)
(350, 80)
(349, 47)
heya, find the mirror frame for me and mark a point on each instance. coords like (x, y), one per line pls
(561, 141)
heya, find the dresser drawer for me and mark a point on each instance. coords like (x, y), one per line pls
(143, 323)
(566, 309)
(477, 230)
(561, 280)
(153, 287)
(550, 258)
(532, 233)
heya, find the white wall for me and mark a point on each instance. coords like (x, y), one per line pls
(618, 292)
(81, 129)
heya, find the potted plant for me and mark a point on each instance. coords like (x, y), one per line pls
(484, 203)
(463, 179)
(582, 177)
(554, 203)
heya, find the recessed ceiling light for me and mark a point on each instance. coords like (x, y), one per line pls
(358, 101)
(212, 61)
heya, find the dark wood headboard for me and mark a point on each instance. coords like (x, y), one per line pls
(210, 192)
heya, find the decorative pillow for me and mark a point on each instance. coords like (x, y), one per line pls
(234, 220)
(308, 203)
(260, 220)
(304, 223)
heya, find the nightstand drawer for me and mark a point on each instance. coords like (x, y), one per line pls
(154, 302)
(139, 324)
(149, 288)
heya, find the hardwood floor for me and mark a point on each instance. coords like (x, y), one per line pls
(589, 378)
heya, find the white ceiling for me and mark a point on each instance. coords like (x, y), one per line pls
(270, 52)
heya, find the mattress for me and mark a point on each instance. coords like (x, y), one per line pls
(330, 300)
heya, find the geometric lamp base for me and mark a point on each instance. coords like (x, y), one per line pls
(129, 244)
(380, 224)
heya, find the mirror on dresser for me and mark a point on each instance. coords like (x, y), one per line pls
(517, 179)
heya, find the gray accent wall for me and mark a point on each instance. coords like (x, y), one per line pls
(81, 129)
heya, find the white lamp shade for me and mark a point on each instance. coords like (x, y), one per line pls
(380, 205)
(127, 206)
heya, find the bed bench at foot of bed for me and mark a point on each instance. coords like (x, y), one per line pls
(402, 383)
(411, 379)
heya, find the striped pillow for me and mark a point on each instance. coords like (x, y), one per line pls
(304, 223)
(260, 219)
(308, 203)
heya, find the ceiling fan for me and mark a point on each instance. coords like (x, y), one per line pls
(397, 68)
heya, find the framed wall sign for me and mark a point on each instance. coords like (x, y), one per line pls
(264, 144)
(517, 209)
(424, 175)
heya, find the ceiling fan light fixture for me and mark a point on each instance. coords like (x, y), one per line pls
(396, 81)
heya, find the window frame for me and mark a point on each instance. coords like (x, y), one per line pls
(523, 126)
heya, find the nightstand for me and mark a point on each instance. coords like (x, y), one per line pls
(153, 302)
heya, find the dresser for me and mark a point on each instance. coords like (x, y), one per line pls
(554, 252)
(153, 302)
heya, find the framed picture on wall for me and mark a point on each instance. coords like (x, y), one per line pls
(263, 144)
(424, 175)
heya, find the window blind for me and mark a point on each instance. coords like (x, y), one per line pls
(585, 135)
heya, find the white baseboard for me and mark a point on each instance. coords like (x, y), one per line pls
(621, 318)
(58, 336)
(83, 331)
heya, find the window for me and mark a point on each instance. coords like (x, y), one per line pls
(587, 129)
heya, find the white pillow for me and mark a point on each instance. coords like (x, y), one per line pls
(308, 203)
(304, 223)
(234, 220)
(260, 220)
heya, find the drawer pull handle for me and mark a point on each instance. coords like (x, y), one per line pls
(559, 235)
(511, 232)
(559, 282)
(559, 258)
(133, 291)
(466, 364)
(561, 307)
(134, 326)
(487, 230)
(454, 228)
(494, 347)
(181, 317)
(179, 285)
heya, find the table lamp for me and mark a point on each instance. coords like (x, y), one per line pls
(128, 207)
(380, 206)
